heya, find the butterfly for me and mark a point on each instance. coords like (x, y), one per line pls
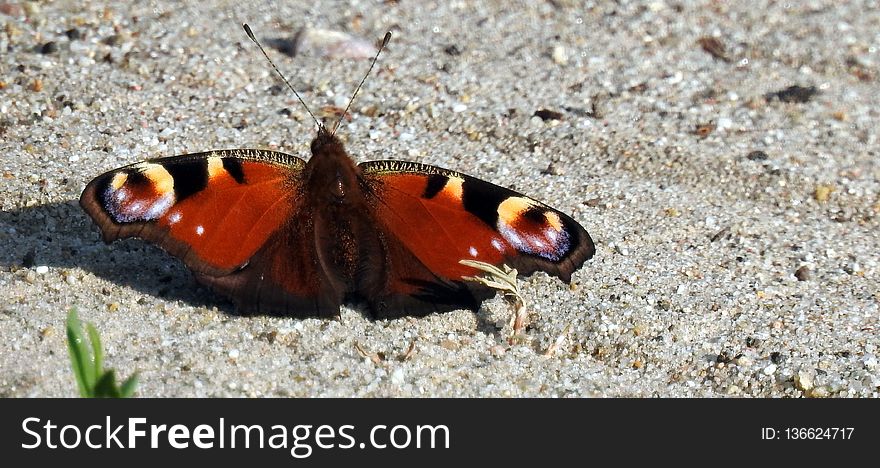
(281, 235)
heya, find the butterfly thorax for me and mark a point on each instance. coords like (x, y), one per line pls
(344, 237)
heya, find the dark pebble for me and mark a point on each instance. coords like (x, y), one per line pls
(552, 170)
(802, 273)
(49, 48)
(757, 155)
(113, 40)
(74, 34)
(547, 114)
(775, 357)
(287, 46)
(799, 94)
(452, 50)
(714, 47)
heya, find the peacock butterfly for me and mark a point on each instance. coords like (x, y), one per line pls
(281, 235)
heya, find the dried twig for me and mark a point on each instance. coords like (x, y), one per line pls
(377, 360)
(409, 351)
(503, 279)
(551, 350)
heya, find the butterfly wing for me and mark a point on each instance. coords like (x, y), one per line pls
(235, 217)
(434, 218)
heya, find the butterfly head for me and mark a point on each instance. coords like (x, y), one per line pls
(325, 141)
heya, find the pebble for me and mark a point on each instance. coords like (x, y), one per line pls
(744, 361)
(823, 193)
(458, 108)
(42, 270)
(803, 381)
(234, 353)
(49, 48)
(770, 369)
(166, 134)
(397, 377)
(331, 44)
(802, 273)
(560, 55)
(74, 34)
(547, 114)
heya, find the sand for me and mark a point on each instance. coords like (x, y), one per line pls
(737, 233)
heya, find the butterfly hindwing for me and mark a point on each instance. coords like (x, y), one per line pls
(229, 215)
(440, 217)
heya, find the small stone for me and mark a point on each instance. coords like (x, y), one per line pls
(560, 55)
(802, 273)
(42, 270)
(74, 34)
(234, 353)
(770, 369)
(547, 114)
(552, 169)
(797, 94)
(744, 361)
(803, 381)
(11, 9)
(458, 108)
(113, 40)
(397, 377)
(818, 392)
(166, 133)
(757, 155)
(714, 47)
(452, 50)
(823, 193)
(49, 48)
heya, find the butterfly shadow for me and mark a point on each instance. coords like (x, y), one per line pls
(61, 236)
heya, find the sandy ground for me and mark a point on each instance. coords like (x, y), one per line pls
(704, 192)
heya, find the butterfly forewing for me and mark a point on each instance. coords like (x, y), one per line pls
(214, 210)
(442, 217)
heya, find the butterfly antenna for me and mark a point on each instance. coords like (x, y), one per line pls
(381, 48)
(250, 34)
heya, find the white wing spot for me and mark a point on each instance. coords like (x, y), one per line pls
(473, 251)
(200, 230)
(174, 218)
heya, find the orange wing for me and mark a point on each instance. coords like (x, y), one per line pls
(440, 217)
(234, 217)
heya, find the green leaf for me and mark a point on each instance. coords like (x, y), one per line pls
(97, 350)
(88, 363)
(106, 386)
(80, 358)
(127, 389)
